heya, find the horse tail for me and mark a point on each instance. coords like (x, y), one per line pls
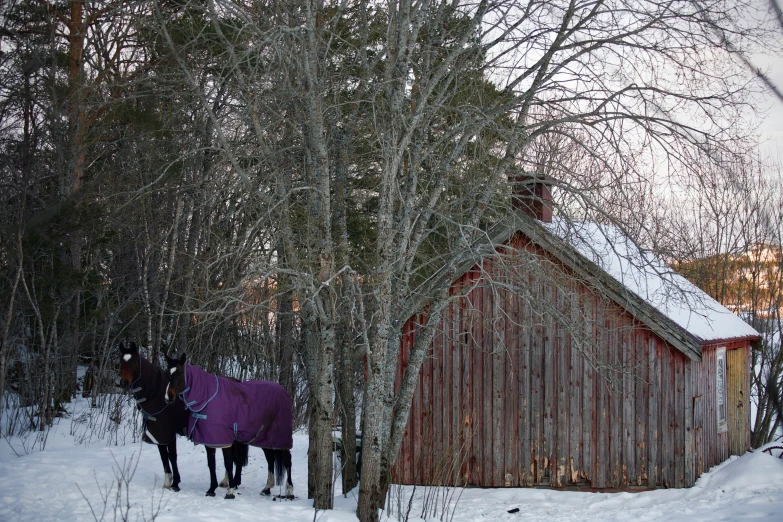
(240, 452)
(279, 467)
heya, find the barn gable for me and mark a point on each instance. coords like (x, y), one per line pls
(599, 388)
(670, 305)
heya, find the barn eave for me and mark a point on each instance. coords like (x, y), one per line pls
(657, 322)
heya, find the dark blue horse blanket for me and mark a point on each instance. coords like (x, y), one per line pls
(223, 411)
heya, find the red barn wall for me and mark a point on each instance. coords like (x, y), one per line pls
(516, 394)
(711, 447)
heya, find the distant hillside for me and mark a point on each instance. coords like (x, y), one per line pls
(750, 282)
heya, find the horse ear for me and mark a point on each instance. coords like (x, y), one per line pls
(182, 358)
(133, 348)
(170, 361)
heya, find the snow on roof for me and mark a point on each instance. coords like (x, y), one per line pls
(653, 281)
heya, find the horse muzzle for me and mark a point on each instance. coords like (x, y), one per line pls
(170, 397)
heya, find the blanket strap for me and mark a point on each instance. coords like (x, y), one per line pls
(182, 397)
(198, 415)
(256, 435)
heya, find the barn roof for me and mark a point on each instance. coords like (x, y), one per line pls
(670, 305)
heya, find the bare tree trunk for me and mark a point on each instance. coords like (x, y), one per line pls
(4, 348)
(346, 378)
(172, 251)
(322, 414)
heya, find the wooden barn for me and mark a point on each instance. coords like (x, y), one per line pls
(573, 359)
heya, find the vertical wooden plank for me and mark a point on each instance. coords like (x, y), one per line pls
(616, 397)
(549, 376)
(536, 391)
(698, 418)
(678, 430)
(588, 393)
(413, 425)
(487, 403)
(406, 463)
(589, 407)
(576, 366)
(654, 410)
(433, 434)
(562, 430)
(723, 439)
(642, 377)
(736, 376)
(443, 455)
(707, 402)
(495, 325)
(665, 446)
(525, 376)
(478, 390)
(457, 392)
(418, 440)
(511, 387)
(484, 434)
(669, 449)
(423, 464)
(717, 453)
(467, 370)
(602, 404)
(689, 459)
(628, 468)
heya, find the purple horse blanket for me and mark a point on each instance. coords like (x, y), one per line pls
(222, 411)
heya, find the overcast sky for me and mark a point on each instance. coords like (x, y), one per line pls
(772, 126)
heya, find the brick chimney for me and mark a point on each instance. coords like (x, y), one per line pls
(533, 196)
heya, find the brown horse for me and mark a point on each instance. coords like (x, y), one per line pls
(163, 421)
(224, 411)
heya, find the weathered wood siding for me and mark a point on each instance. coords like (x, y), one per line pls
(521, 394)
(712, 447)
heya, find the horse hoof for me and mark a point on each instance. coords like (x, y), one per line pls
(175, 488)
(266, 492)
(229, 497)
(210, 493)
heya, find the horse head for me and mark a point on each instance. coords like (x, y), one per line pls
(176, 369)
(130, 365)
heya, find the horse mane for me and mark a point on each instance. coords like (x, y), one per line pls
(152, 381)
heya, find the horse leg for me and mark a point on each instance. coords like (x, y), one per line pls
(213, 483)
(240, 452)
(270, 466)
(164, 457)
(173, 459)
(289, 487)
(228, 461)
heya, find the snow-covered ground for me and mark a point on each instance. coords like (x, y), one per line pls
(79, 482)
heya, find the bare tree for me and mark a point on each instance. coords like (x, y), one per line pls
(441, 104)
(725, 234)
(310, 174)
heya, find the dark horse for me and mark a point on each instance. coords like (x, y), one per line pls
(163, 421)
(223, 411)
